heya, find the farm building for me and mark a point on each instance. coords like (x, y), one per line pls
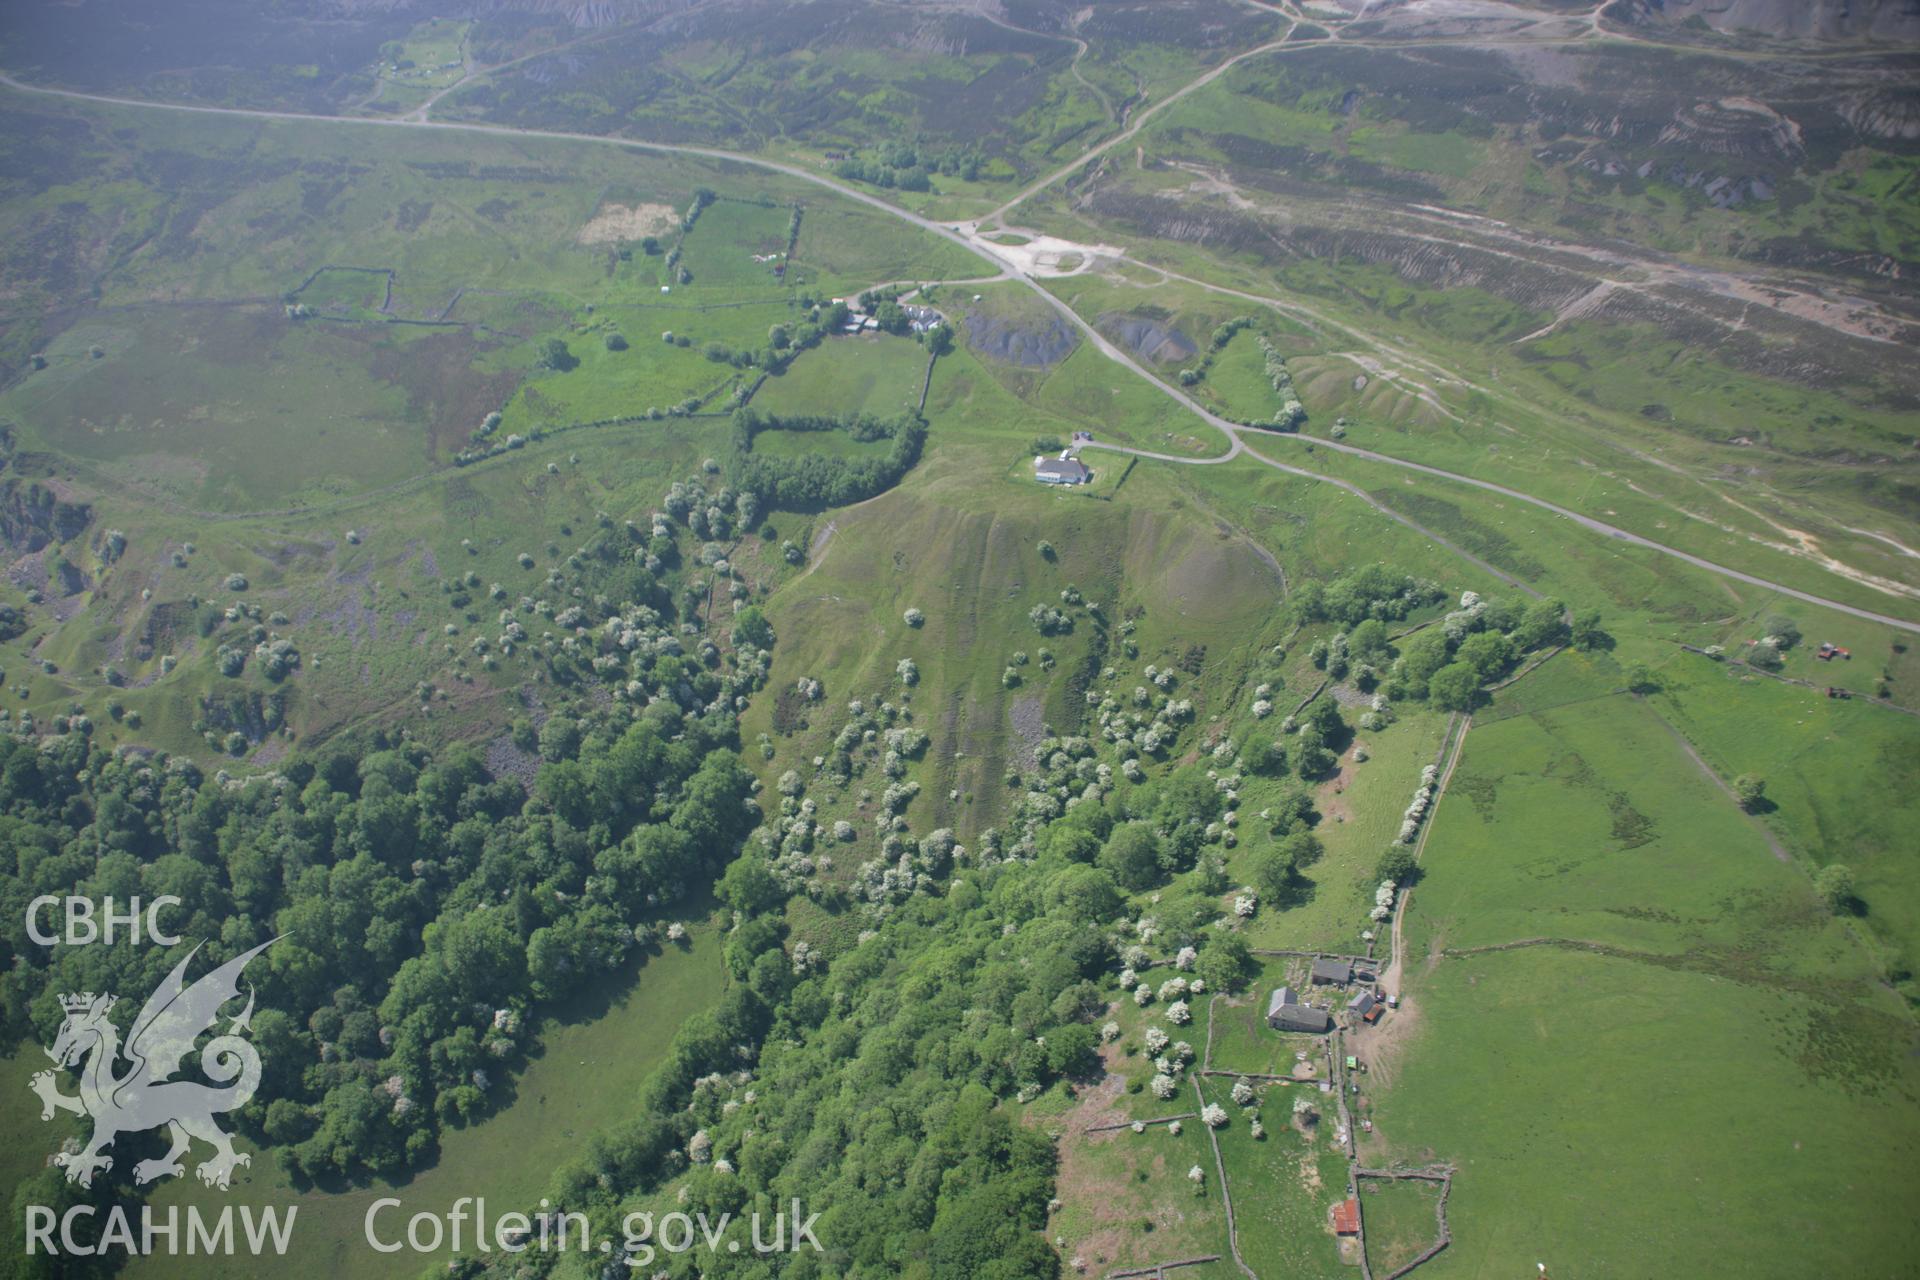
(1361, 1005)
(1298, 1017)
(1346, 1218)
(1064, 469)
(1330, 972)
(1285, 1013)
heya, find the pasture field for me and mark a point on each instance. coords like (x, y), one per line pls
(1669, 968)
(845, 249)
(881, 375)
(1236, 385)
(1285, 1182)
(1840, 775)
(647, 373)
(428, 55)
(1400, 1221)
(1087, 390)
(720, 251)
(827, 444)
(29, 1139)
(1127, 1200)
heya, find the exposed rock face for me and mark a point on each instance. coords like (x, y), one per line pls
(1892, 114)
(31, 516)
(1792, 19)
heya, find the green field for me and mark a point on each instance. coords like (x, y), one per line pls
(861, 374)
(1236, 385)
(1838, 774)
(1400, 1222)
(1285, 1182)
(721, 248)
(1671, 969)
(244, 411)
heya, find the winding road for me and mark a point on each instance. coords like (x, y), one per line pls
(960, 234)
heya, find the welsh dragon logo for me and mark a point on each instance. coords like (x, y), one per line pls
(144, 1097)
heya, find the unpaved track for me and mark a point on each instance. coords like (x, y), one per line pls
(1236, 445)
(1392, 975)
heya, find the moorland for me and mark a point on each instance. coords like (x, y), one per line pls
(455, 517)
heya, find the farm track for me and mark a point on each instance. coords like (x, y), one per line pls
(984, 11)
(1451, 748)
(1236, 444)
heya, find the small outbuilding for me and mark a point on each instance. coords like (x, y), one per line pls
(1330, 971)
(1362, 1004)
(1346, 1218)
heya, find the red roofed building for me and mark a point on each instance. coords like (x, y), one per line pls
(1346, 1218)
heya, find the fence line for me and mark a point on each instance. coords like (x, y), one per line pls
(926, 384)
(1159, 1269)
(1442, 1174)
(1804, 684)
(1226, 1192)
(1128, 1124)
